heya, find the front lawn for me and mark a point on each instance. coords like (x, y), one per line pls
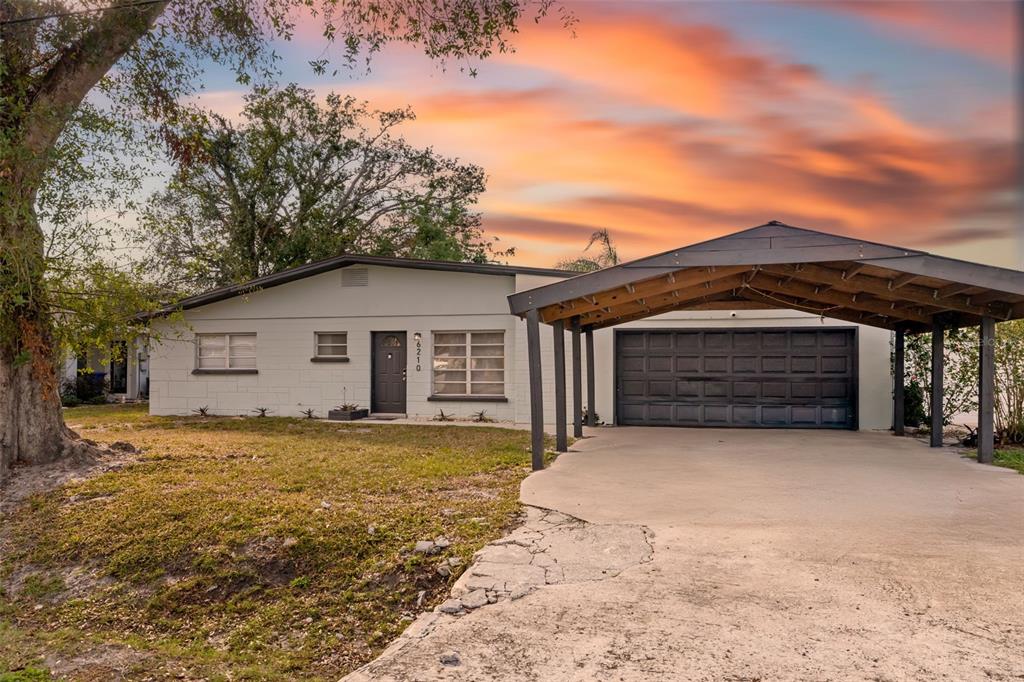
(1011, 458)
(245, 548)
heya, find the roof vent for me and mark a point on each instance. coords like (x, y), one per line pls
(355, 277)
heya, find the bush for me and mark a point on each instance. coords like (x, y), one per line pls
(914, 413)
(1009, 394)
(69, 399)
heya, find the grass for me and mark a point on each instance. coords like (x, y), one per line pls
(245, 548)
(1011, 458)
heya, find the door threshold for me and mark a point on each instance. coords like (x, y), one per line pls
(387, 416)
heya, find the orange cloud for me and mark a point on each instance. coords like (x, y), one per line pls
(667, 132)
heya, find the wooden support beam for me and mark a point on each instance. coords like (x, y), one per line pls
(591, 389)
(938, 364)
(845, 300)
(577, 381)
(536, 389)
(697, 295)
(899, 415)
(952, 290)
(902, 281)
(561, 438)
(986, 389)
(989, 296)
(881, 288)
(851, 272)
(648, 288)
(844, 314)
(665, 299)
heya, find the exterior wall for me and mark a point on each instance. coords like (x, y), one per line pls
(285, 318)
(422, 301)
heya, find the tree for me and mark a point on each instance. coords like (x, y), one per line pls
(607, 257)
(960, 370)
(53, 54)
(298, 181)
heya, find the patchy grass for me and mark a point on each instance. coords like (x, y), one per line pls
(1011, 458)
(244, 548)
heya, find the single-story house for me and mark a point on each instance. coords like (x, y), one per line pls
(414, 338)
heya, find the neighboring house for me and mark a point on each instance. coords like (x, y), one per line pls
(414, 337)
(122, 373)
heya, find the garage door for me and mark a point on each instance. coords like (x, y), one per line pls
(786, 378)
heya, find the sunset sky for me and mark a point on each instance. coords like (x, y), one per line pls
(673, 122)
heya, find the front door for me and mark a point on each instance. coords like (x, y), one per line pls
(388, 372)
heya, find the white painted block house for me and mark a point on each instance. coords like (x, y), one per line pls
(415, 337)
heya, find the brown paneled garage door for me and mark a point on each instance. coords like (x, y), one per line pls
(782, 378)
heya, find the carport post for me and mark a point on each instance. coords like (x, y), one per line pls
(938, 352)
(591, 392)
(536, 389)
(898, 398)
(561, 441)
(986, 389)
(577, 381)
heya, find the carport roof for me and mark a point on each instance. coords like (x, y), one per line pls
(779, 266)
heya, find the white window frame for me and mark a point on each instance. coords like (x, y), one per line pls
(468, 382)
(226, 367)
(317, 344)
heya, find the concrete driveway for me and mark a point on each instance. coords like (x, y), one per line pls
(773, 555)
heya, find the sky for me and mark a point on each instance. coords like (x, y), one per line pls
(670, 123)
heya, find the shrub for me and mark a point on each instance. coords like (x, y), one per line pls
(1009, 394)
(914, 413)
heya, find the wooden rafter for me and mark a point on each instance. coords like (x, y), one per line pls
(854, 301)
(845, 314)
(646, 289)
(666, 299)
(677, 304)
(879, 288)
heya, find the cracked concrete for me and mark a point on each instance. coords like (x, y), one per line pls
(550, 548)
(776, 555)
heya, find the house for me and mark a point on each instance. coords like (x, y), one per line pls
(411, 337)
(120, 372)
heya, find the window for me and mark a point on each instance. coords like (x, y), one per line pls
(331, 344)
(225, 351)
(469, 363)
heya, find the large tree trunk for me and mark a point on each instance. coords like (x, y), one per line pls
(34, 109)
(32, 427)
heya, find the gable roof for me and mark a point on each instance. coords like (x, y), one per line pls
(897, 286)
(344, 261)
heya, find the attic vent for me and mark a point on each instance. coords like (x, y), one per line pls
(355, 277)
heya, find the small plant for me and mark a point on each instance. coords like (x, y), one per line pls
(203, 411)
(262, 411)
(482, 417)
(309, 414)
(586, 412)
(347, 407)
(442, 417)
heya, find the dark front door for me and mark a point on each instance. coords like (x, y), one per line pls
(388, 372)
(789, 378)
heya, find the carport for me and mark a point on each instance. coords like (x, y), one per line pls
(777, 266)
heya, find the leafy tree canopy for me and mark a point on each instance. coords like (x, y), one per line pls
(297, 181)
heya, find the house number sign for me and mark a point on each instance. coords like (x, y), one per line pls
(419, 352)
